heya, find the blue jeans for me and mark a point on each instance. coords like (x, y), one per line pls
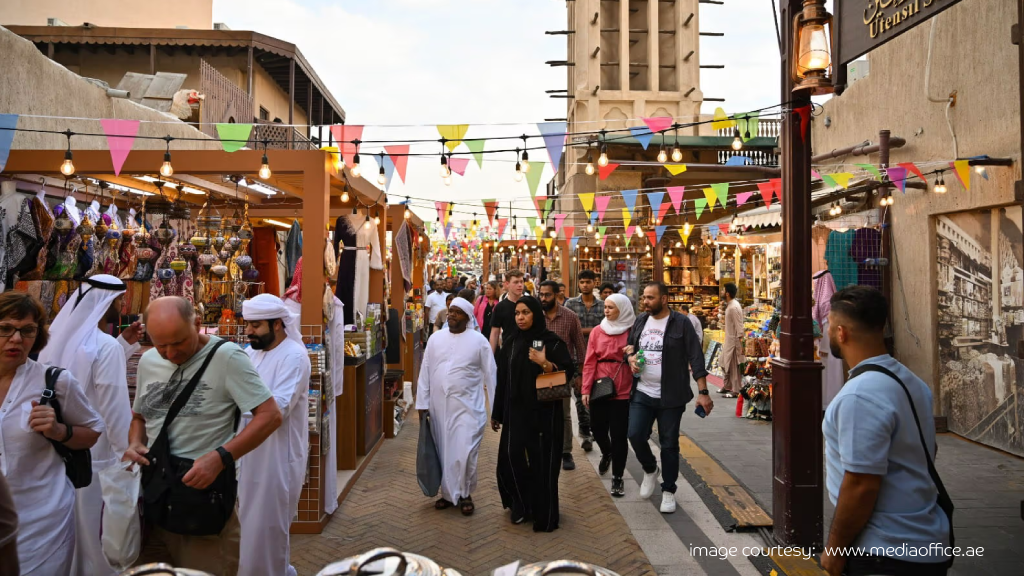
(643, 410)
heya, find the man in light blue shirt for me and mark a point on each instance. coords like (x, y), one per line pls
(877, 469)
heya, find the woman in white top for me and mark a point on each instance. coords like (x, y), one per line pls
(42, 493)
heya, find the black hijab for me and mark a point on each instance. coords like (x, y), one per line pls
(520, 370)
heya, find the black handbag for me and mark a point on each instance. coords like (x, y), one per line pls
(167, 501)
(604, 388)
(77, 463)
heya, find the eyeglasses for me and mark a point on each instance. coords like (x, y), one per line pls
(30, 331)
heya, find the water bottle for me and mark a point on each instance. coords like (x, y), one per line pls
(640, 360)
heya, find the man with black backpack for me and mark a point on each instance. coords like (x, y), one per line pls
(192, 389)
(879, 450)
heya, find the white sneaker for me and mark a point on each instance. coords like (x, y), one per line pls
(650, 481)
(668, 502)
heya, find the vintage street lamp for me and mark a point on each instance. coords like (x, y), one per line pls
(812, 66)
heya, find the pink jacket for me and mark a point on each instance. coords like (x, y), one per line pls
(604, 354)
(479, 308)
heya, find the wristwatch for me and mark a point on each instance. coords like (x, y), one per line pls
(225, 457)
(703, 392)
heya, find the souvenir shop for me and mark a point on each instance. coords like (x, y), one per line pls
(217, 228)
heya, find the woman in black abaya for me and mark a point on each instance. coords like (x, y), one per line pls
(530, 450)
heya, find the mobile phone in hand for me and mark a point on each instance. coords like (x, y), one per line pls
(700, 411)
(538, 345)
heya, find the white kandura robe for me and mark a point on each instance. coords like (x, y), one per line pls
(106, 387)
(42, 493)
(456, 370)
(365, 260)
(271, 476)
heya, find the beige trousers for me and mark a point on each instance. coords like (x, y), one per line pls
(216, 555)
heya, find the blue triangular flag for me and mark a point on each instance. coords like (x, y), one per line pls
(643, 135)
(8, 122)
(713, 229)
(660, 231)
(655, 199)
(573, 242)
(554, 140)
(737, 161)
(629, 197)
(593, 217)
(389, 171)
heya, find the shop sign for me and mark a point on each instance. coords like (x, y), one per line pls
(867, 24)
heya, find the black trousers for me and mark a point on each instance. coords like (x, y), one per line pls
(609, 421)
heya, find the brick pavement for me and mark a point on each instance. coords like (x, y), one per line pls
(387, 508)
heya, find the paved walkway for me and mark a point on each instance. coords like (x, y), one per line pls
(387, 508)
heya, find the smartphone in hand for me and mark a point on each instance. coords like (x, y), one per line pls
(700, 411)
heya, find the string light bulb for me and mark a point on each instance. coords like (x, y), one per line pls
(597, 235)
(662, 155)
(526, 161)
(444, 166)
(376, 220)
(552, 233)
(382, 178)
(940, 184)
(344, 195)
(839, 208)
(590, 228)
(357, 171)
(447, 179)
(602, 160)
(366, 224)
(677, 154)
(265, 168)
(408, 213)
(67, 168)
(737, 143)
(590, 164)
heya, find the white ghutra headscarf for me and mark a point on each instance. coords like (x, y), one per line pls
(74, 332)
(270, 307)
(465, 306)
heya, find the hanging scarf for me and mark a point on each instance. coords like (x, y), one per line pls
(294, 291)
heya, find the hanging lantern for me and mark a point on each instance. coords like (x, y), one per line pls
(812, 42)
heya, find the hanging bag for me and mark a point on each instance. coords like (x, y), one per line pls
(121, 532)
(77, 463)
(167, 501)
(428, 462)
(604, 388)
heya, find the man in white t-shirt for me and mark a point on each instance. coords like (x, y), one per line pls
(661, 388)
(434, 304)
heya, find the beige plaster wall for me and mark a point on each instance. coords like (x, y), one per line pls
(35, 85)
(974, 57)
(196, 14)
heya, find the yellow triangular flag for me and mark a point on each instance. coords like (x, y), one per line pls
(712, 196)
(676, 169)
(684, 236)
(539, 232)
(842, 179)
(963, 171)
(453, 133)
(587, 200)
(721, 120)
(626, 218)
(548, 241)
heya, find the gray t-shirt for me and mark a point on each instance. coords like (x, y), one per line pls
(208, 418)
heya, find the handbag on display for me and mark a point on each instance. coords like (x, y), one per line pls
(552, 387)
(77, 463)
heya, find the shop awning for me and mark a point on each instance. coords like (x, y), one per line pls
(762, 217)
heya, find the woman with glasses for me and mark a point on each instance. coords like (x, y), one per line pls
(43, 495)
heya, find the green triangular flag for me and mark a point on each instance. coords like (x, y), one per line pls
(533, 176)
(548, 206)
(829, 181)
(872, 169)
(722, 191)
(477, 148)
(700, 204)
(601, 229)
(234, 136)
(747, 123)
(531, 222)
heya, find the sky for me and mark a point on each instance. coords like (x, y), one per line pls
(400, 67)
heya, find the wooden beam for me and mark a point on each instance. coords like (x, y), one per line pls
(248, 72)
(152, 58)
(291, 102)
(309, 111)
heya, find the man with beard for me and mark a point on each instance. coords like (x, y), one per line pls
(80, 341)
(732, 349)
(661, 388)
(272, 475)
(566, 325)
(455, 365)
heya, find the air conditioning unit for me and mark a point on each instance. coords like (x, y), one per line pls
(220, 26)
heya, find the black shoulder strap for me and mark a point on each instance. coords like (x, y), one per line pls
(945, 502)
(50, 393)
(186, 393)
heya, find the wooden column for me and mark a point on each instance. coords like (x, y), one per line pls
(291, 103)
(315, 210)
(152, 58)
(248, 73)
(309, 111)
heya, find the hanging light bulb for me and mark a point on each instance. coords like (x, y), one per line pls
(366, 224)
(166, 170)
(940, 185)
(677, 154)
(519, 172)
(737, 143)
(839, 208)
(590, 228)
(448, 179)
(552, 233)
(687, 227)
(382, 178)
(67, 168)
(597, 235)
(407, 212)
(662, 155)
(639, 231)
(526, 162)
(617, 248)
(356, 170)
(590, 164)
(444, 166)
(376, 220)
(602, 160)
(265, 168)
(344, 195)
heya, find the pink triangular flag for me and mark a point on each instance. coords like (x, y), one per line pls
(502, 223)
(675, 193)
(345, 134)
(559, 220)
(898, 176)
(605, 171)
(568, 231)
(629, 231)
(442, 208)
(767, 191)
(742, 197)
(120, 137)
(602, 204)
(658, 123)
(400, 158)
(458, 165)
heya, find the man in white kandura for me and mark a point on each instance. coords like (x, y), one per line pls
(271, 476)
(457, 367)
(80, 342)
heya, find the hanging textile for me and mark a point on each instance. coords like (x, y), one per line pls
(293, 249)
(360, 251)
(403, 246)
(263, 250)
(867, 245)
(837, 255)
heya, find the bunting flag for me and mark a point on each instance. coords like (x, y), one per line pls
(601, 230)
(804, 112)
(548, 241)
(842, 179)
(234, 137)
(442, 211)
(522, 241)
(698, 205)
(389, 172)
(587, 200)
(828, 181)
(962, 169)
(675, 169)
(722, 190)
(898, 176)
(8, 122)
(629, 197)
(458, 165)
(604, 240)
(724, 228)
(660, 231)
(490, 207)
(602, 204)
(737, 161)
(747, 124)
(628, 235)
(913, 169)
(572, 243)
(538, 233)
(777, 187)
(538, 202)
(643, 135)
(533, 176)
(656, 200)
(685, 235)
(626, 217)
(711, 196)
(477, 148)
(345, 134)
(872, 169)
(400, 158)
(721, 120)
(559, 220)
(593, 217)
(652, 237)
(531, 223)
(569, 230)
(675, 194)
(742, 197)
(453, 133)
(547, 207)
(713, 230)
(502, 223)
(554, 140)
(447, 230)
(605, 171)
(120, 137)
(658, 123)
(815, 174)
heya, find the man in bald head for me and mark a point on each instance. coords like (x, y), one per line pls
(202, 384)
